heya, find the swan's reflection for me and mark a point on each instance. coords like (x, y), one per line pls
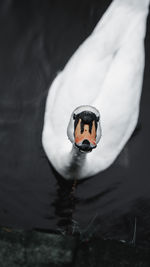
(65, 202)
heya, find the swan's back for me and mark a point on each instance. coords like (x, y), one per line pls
(107, 72)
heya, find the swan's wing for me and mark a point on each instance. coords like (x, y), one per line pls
(105, 71)
(121, 90)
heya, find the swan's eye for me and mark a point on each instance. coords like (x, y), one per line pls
(74, 116)
(97, 118)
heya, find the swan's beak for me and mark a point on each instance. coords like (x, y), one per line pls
(85, 140)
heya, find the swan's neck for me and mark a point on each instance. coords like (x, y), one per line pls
(78, 158)
(77, 162)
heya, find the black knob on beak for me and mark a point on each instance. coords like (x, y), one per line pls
(86, 142)
(85, 146)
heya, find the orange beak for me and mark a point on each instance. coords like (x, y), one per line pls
(85, 135)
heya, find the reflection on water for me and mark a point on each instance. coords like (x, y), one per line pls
(65, 202)
(65, 206)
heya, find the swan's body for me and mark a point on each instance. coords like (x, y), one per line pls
(105, 72)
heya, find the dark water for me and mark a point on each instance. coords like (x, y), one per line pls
(36, 40)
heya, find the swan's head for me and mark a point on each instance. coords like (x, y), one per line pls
(84, 129)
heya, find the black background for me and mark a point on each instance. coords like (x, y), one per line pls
(36, 40)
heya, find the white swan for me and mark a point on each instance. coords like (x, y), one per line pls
(104, 75)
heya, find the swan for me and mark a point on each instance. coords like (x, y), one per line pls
(92, 105)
